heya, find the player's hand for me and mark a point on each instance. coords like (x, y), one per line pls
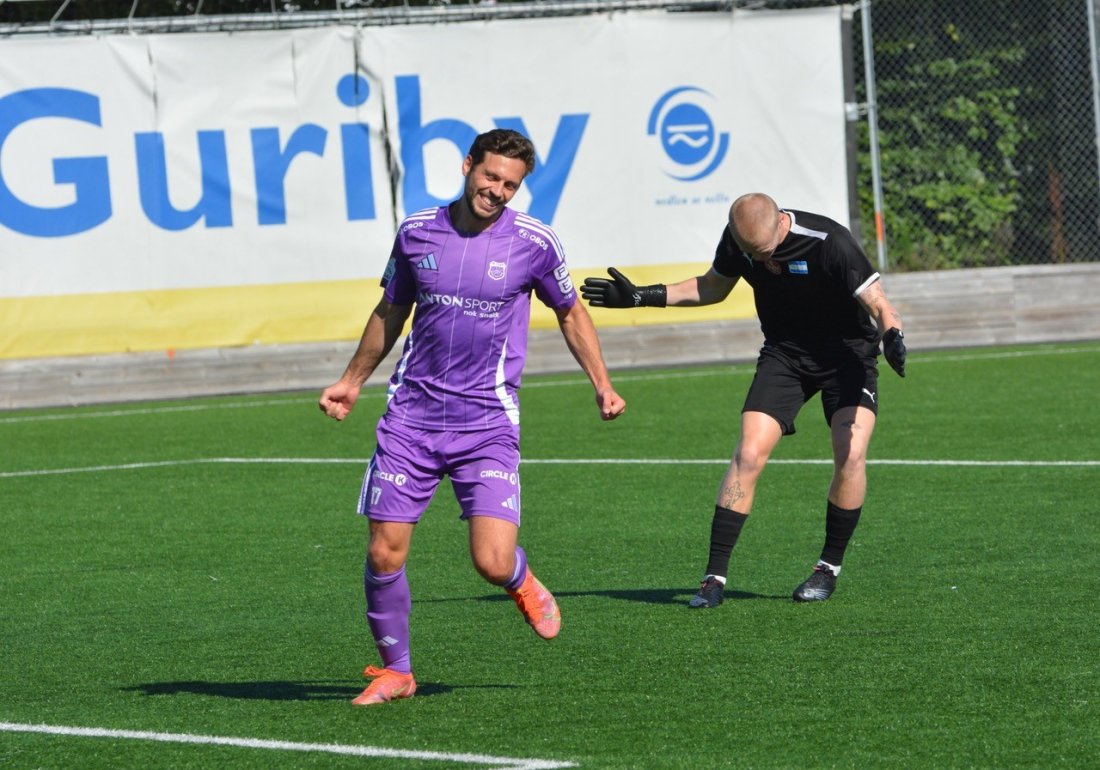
(620, 292)
(611, 404)
(337, 400)
(893, 348)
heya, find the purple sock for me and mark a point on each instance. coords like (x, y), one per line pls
(388, 606)
(520, 572)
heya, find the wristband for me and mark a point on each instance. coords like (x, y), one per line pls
(654, 295)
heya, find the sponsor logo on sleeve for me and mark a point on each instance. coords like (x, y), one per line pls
(535, 238)
(565, 283)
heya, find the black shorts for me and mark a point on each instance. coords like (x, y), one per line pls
(784, 383)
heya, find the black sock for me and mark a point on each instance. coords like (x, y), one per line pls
(724, 529)
(840, 523)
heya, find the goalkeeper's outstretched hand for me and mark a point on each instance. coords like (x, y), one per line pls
(893, 348)
(620, 292)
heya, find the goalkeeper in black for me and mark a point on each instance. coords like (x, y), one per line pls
(823, 313)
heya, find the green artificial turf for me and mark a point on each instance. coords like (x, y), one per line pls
(196, 570)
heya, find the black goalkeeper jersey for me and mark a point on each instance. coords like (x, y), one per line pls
(806, 299)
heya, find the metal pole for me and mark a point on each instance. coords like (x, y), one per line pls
(1090, 5)
(872, 124)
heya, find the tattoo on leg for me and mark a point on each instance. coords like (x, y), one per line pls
(731, 495)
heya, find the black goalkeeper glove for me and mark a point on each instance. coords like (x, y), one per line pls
(893, 347)
(620, 292)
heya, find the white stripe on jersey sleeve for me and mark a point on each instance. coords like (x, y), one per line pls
(422, 215)
(542, 229)
(863, 286)
(800, 230)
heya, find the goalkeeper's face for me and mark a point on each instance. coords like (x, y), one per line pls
(758, 226)
(759, 244)
(491, 184)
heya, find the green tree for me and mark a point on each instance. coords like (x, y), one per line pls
(950, 132)
(987, 141)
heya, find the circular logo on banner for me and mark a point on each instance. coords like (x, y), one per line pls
(687, 134)
(352, 90)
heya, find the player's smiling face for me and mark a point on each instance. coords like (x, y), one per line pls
(491, 184)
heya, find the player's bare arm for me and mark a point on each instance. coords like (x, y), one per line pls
(583, 342)
(874, 301)
(708, 289)
(383, 328)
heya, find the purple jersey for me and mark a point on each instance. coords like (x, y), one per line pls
(463, 357)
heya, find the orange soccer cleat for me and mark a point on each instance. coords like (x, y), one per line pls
(388, 685)
(538, 606)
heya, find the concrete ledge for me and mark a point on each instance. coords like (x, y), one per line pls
(956, 308)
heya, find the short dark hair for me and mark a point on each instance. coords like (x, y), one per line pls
(506, 142)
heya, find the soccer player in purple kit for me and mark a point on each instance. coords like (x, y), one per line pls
(469, 268)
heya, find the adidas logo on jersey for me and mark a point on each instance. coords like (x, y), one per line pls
(428, 263)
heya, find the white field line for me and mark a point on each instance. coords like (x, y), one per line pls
(711, 371)
(993, 356)
(545, 461)
(79, 415)
(376, 390)
(507, 763)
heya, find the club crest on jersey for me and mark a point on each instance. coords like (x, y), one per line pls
(497, 270)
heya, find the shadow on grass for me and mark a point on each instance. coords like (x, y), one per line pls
(286, 691)
(643, 595)
(661, 595)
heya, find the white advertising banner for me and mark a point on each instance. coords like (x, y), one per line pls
(169, 162)
(216, 189)
(647, 125)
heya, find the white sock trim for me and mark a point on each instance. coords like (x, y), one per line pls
(834, 568)
(719, 578)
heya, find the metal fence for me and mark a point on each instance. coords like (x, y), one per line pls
(984, 113)
(986, 119)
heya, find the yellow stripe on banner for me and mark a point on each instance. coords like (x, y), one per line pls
(738, 305)
(228, 316)
(177, 319)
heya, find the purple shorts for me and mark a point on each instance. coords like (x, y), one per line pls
(409, 463)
